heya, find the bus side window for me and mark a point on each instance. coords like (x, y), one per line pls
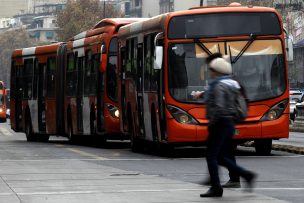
(13, 79)
(35, 79)
(134, 58)
(151, 75)
(95, 69)
(128, 64)
(147, 68)
(87, 74)
(70, 80)
(28, 78)
(111, 72)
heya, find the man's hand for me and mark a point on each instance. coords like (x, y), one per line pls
(197, 94)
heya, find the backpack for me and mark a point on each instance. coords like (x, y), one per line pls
(241, 107)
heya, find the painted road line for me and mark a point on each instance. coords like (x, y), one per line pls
(102, 191)
(289, 189)
(131, 191)
(94, 156)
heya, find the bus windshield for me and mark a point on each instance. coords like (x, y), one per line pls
(260, 69)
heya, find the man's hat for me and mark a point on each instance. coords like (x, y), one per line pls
(218, 64)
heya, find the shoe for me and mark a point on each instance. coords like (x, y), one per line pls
(232, 184)
(250, 180)
(212, 192)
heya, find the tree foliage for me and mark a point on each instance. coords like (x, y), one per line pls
(81, 15)
(267, 3)
(9, 41)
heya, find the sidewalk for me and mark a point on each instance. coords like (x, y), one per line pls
(87, 182)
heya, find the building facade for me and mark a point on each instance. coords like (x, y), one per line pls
(44, 28)
(150, 8)
(9, 8)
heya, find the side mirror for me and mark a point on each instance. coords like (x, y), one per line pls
(103, 59)
(158, 60)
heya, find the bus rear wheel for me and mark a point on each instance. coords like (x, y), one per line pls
(43, 138)
(263, 146)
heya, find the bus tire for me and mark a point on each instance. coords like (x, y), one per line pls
(2, 120)
(43, 138)
(263, 146)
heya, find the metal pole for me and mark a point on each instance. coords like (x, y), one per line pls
(202, 3)
(104, 9)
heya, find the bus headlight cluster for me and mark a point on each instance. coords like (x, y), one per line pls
(275, 112)
(181, 116)
(114, 111)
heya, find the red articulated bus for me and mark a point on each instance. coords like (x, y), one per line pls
(68, 88)
(91, 105)
(2, 102)
(36, 91)
(162, 62)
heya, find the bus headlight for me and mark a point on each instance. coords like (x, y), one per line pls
(181, 116)
(1, 110)
(114, 112)
(275, 112)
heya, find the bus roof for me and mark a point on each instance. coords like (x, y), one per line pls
(116, 21)
(158, 22)
(51, 48)
(153, 23)
(103, 26)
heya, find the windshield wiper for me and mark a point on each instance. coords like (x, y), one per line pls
(252, 38)
(202, 46)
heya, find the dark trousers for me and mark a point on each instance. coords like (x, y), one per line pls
(219, 151)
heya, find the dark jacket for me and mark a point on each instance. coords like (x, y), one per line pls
(220, 99)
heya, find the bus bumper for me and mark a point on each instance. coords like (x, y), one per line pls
(183, 133)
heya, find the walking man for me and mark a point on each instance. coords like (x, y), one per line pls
(221, 108)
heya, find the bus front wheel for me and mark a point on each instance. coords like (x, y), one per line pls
(263, 146)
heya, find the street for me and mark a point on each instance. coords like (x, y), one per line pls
(59, 172)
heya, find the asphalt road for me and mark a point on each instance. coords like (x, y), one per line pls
(280, 175)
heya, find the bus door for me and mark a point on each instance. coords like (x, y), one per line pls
(87, 81)
(41, 96)
(159, 41)
(18, 97)
(60, 89)
(123, 87)
(100, 99)
(140, 91)
(79, 96)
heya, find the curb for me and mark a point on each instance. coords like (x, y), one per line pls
(296, 129)
(280, 147)
(288, 148)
